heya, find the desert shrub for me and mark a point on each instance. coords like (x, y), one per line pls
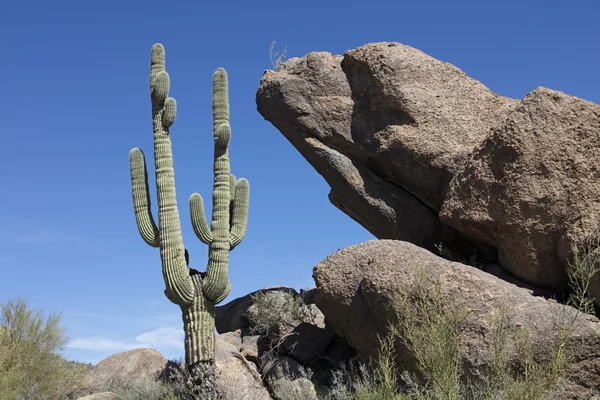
(276, 57)
(178, 379)
(431, 329)
(524, 377)
(378, 381)
(138, 389)
(274, 311)
(29, 365)
(584, 265)
(273, 316)
(286, 382)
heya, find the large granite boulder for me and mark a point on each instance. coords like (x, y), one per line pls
(531, 189)
(309, 100)
(416, 150)
(357, 289)
(143, 363)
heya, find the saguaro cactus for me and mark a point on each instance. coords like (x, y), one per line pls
(196, 293)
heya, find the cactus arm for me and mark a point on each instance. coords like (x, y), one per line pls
(179, 286)
(220, 104)
(141, 197)
(216, 282)
(239, 212)
(198, 218)
(224, 294)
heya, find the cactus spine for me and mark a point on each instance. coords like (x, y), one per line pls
(196, 293)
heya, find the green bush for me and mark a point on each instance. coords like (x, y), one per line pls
(29, 365)
(138, 389)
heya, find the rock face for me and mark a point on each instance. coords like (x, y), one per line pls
(287, 338)
(299, 329)
(416, 119)
(236, 377)
(357, 288)
(531, 189)
(416, 150)
(310, 101)
(232, 316)
(132, 364)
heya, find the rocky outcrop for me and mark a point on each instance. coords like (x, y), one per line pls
(287, 337)
(387, 126)
(357, 289)
(233, 315)
(531, 189)
(310, 101)
(236, 377)
(130, 365)
(415, 150)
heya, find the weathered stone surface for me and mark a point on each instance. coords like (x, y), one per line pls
(531, 189)
(278, 366)
(357, 288)
(300, 388)
(416, 150)
(300, 332)
(415, 118)
(130, 365)
(387, 126)
(309, 100)
(233, 338)
(249, 348)
(307, 342)
(237, 378)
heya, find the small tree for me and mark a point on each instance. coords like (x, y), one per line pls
(29, 365)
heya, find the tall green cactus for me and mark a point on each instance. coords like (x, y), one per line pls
(196, 293)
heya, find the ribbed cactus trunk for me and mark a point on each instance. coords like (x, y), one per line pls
(196, 293)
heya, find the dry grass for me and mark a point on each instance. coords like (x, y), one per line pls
(276, 57)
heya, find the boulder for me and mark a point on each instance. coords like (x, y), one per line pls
(531, 188)
(237, 379)
(249, 348)
(416, 119)
(387, 126)
(357, 289)
(415, 150)
(233, 338)
(309, 100)
(301, 388)
(131, 365)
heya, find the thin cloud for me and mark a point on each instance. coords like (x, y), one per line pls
(162, 337)
(35, 233)
(100, 344)
(162, 319)
(157, 339)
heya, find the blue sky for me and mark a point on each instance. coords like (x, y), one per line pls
(75, 101)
